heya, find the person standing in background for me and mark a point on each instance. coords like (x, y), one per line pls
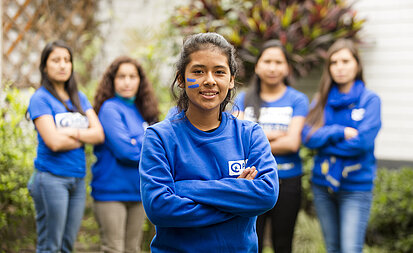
(126, 105)
(342, 126)
(280, 110)
(64, 121)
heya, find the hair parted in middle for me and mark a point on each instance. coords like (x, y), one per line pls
(315, 116)
(252, 96)
(145, 100)
(195, 43)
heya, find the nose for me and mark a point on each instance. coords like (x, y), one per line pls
(210, 80)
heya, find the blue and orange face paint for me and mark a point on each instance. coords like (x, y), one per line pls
(192, 81)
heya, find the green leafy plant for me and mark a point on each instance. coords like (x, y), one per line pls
(306, 28)
(391, 221)
(18, 147)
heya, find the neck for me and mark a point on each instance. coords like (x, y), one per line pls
(272, 92)
(345, 88)
(204, 120)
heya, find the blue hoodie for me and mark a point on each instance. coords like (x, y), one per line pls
(340, 164)
(190, 189)
(115, 173)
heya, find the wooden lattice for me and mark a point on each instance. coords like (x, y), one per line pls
(29, 24)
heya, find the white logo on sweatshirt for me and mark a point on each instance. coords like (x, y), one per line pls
(236, 167)
(357, 114)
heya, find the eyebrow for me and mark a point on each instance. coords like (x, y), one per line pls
(203, 66)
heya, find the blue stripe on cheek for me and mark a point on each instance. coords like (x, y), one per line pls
(193, 86)
(191, 80)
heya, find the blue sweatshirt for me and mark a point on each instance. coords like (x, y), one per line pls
(70, 163)
(190, 189)
(277, 115)
(347, 165)
(115, 173)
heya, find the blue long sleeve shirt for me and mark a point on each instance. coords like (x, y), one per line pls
(190, 189)
(355, 156)
(116, 173)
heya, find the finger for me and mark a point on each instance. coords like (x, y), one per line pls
(254, 174)
(244, 173)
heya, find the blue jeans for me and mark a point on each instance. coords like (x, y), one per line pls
(59, 203)
(343, 217)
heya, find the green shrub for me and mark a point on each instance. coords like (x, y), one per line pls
(391, 221)
(18, 147)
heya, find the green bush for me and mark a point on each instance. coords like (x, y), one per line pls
(18, 147)
(391, 223)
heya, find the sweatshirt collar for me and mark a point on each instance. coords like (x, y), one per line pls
(129, 101)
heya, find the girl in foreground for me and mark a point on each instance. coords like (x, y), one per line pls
(205, 175)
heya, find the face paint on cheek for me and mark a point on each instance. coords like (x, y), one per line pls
(192, 81)
(193, 86)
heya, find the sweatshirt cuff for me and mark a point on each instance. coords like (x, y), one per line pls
(338, 134)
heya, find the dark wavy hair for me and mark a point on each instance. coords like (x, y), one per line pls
(315, 116)
(195, 43)
(145, 100)
(70, 85)
(252, 96)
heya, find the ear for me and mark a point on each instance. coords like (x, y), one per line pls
(181, 83)
(232, 82)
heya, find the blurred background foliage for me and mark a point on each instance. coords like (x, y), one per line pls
(306, 28)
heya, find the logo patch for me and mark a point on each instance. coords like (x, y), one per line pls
(236, 167)
(357, 114)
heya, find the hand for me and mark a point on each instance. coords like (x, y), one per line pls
(274, 134)
(350, 132)
(249, 173)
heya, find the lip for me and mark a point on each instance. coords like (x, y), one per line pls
(209, 93)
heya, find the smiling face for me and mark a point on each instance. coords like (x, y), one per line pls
(209, 69)
(59, 66)
(343, 67)
(272, 67)
(127, 80)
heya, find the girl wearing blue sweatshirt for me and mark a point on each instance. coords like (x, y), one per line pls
(64, 121)
(126, 105)
(205, 175)
(280, 110)
(342, 126)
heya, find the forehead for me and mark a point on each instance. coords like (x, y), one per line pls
(60, 51)
(208, 57)
(344, 53)
(272, 52)
(127, 67)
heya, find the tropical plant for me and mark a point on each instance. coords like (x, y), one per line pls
(305, 27)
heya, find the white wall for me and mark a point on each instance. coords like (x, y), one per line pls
(388, 69)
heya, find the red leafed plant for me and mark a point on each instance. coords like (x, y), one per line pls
(306, 28)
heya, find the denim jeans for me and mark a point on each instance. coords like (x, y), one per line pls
(59, 203)
(343, 217)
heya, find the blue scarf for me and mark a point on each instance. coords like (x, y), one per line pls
(338, 100)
